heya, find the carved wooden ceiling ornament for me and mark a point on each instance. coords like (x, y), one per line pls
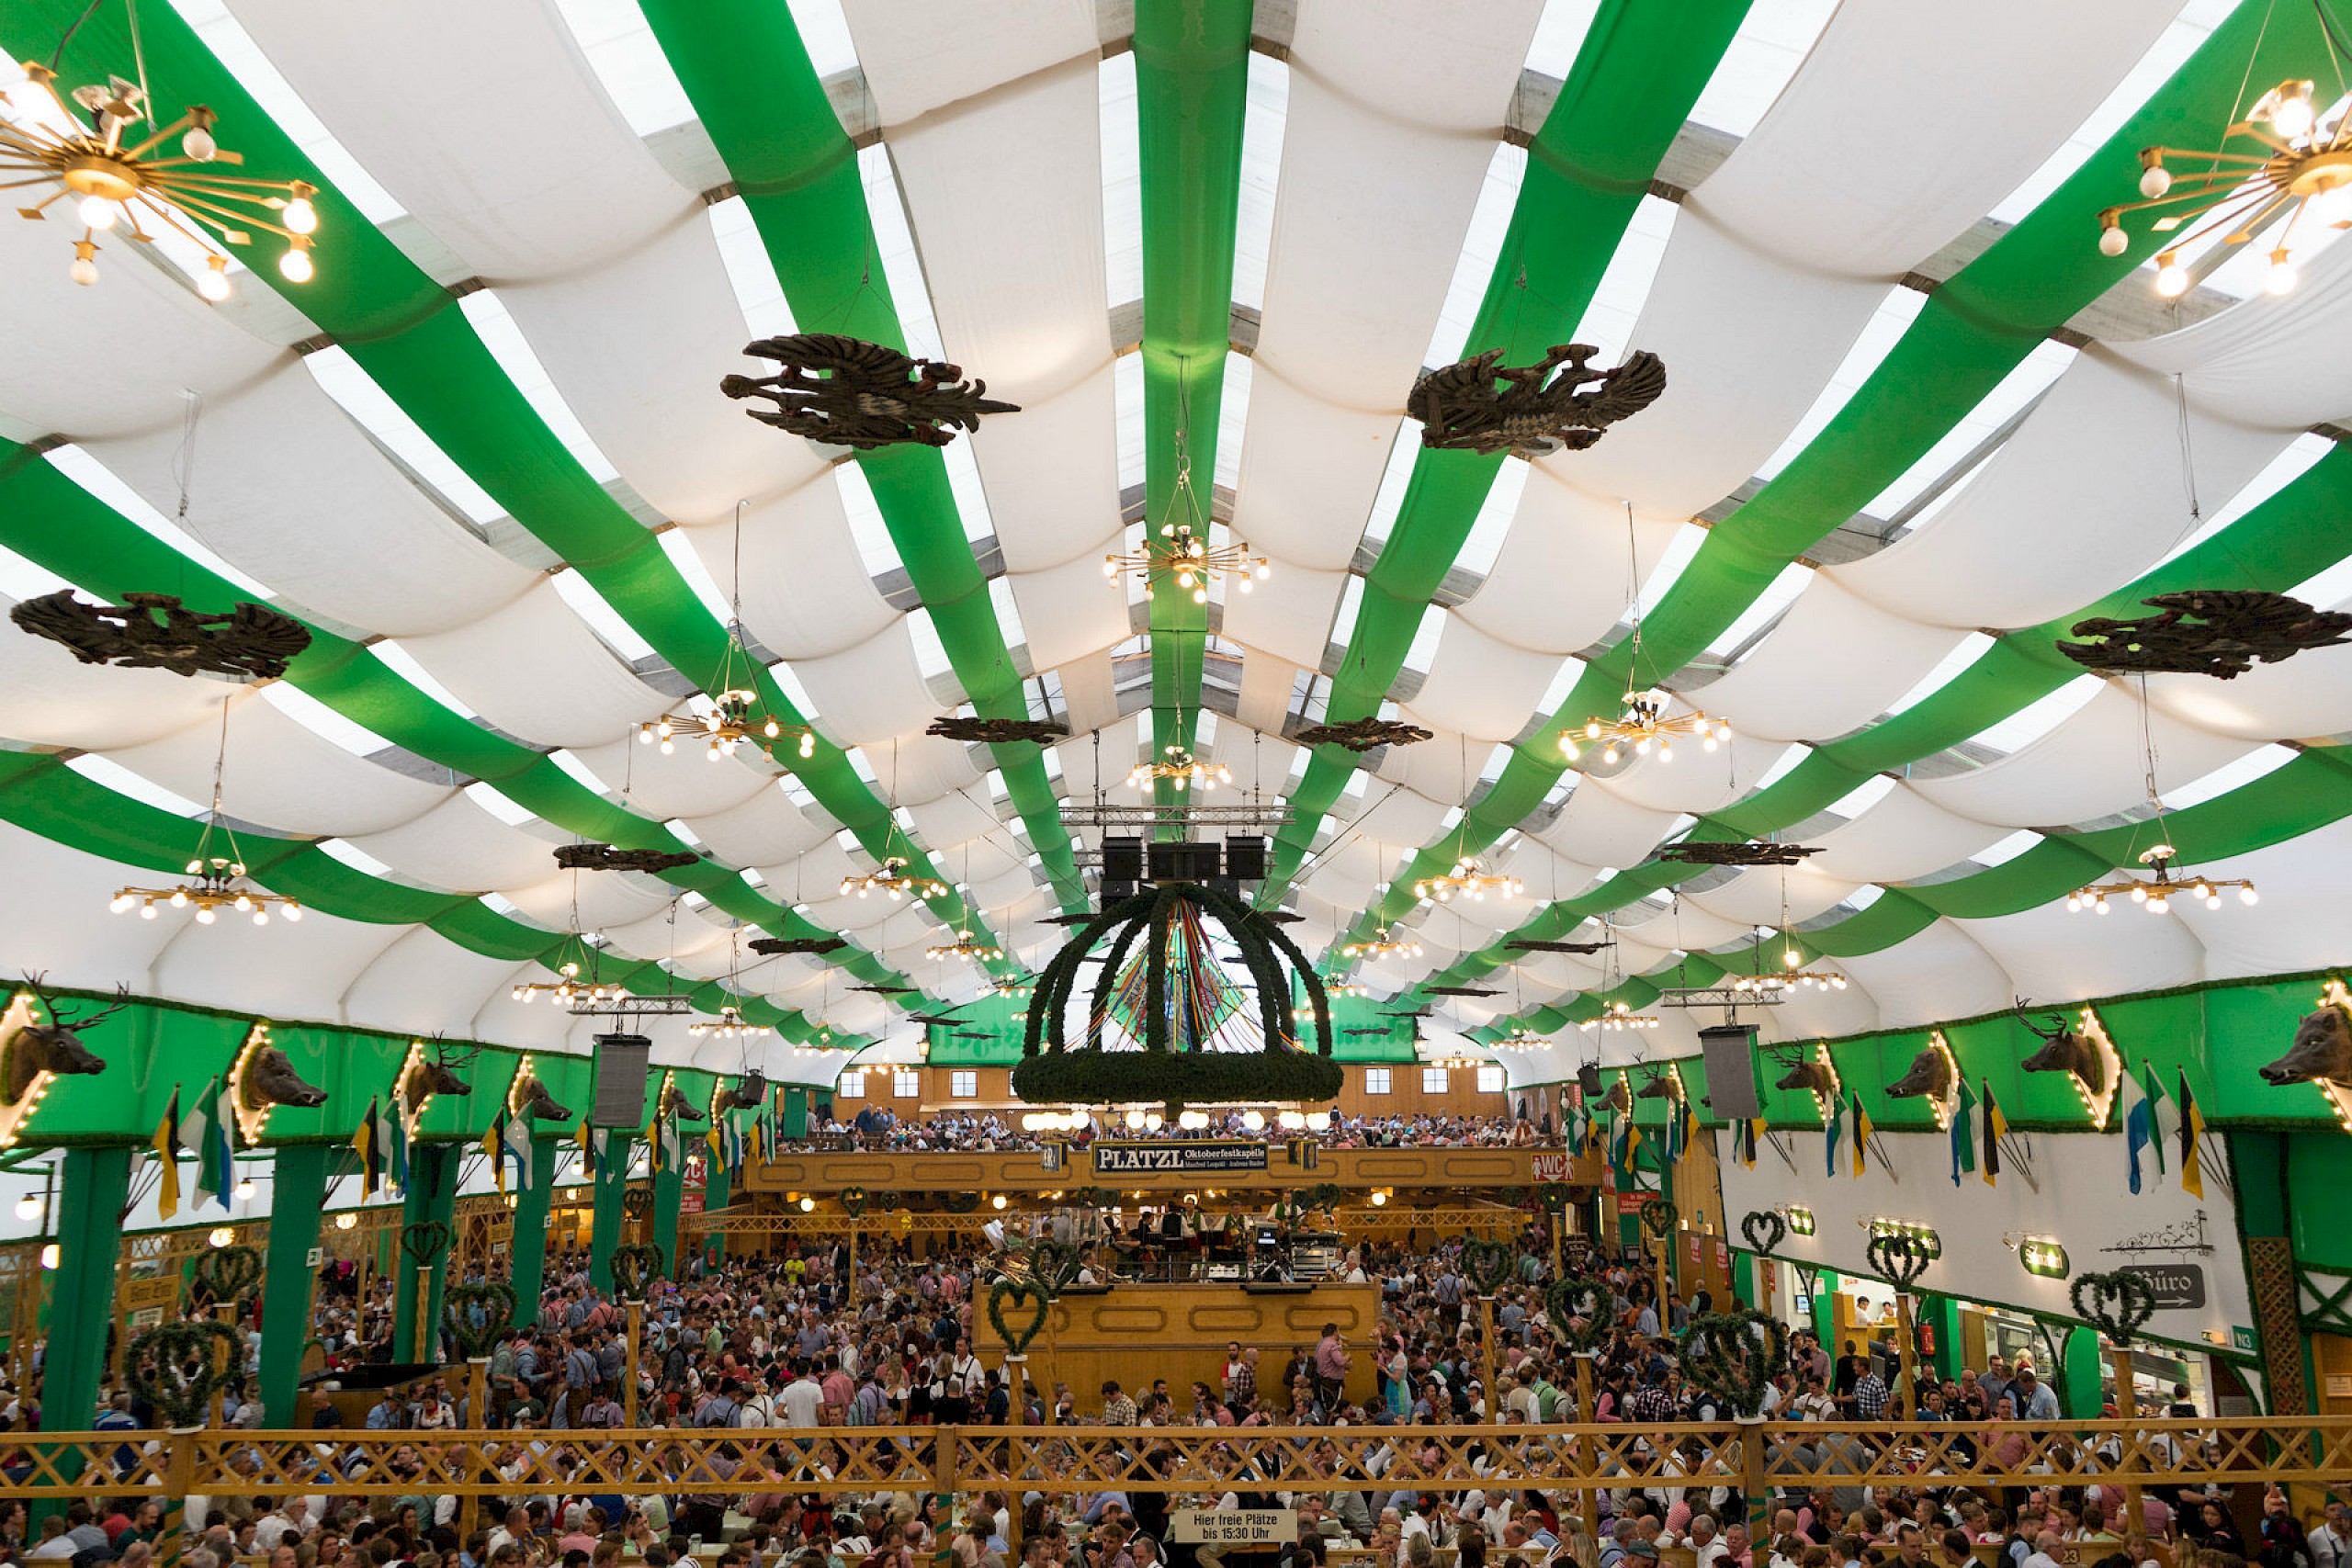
(604, 857)
(154, 631)
(997, 731)
(1363, 734)
(777, 946)
(1560, 403)
(2219, 632)
(1703, 853)
(845, 391)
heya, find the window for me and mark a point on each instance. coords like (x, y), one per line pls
(1490, 1079)
(1432, 1080)
(905, 1083)
(852, 1084)
(1375, 1080)
(964, 1084)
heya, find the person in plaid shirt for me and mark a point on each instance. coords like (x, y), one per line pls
(1869, 1396)
(1119, 1410)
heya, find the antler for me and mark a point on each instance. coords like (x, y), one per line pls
(2039, 1033)
(76, 1022)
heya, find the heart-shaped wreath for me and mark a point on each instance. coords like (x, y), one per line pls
(425, 1241)
(479, 1313)
(2119, 1303)
(888, 1198)
(1053, 1264)
(175, 1367)
(226, 1274)
(636, 1268)
(959, 1202)
(1730, 1356)
(1006, 1292)
(1582, 1307)
(1487, 1265)
(1659, 1216)
(1765, 1230)
(852, 1200)
(637, 1203)
(1901, 1257)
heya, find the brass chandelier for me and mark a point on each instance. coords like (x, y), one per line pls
(893, 878)
(214, 877)
(1178, 766)
(1382, 944)
(1180, 550)
(736, 713)
(963, 946)
(568, 986)
(730, 1024)
(2303, 163)
(1618, 1016)
(2156, 891)
(1470, 879)
(124, 169)
(1645, 724)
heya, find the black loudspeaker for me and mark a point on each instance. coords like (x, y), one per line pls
(1588, 1082)
(1112, 892)
(1731, 1071)
(1183, 862)
(1123, 860)
(624, 1064)
(1245, 859)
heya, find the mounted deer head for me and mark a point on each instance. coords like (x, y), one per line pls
(431, 1077)
(2063, 1050)
(1812, 1077)
(1660, 1087)
(53, 1047)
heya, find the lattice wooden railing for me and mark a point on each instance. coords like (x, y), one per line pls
(832, 1460)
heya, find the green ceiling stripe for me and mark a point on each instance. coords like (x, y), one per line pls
(1973, 330)
(1636, 77)
(61, 527)
(1191, 92)
(748, 76)
(403, 329)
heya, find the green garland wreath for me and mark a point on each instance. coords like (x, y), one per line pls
(425, 1240)
(173, 1368)
(959, 1202)
(226, 1274)
(2119, 1303)
(1659, 1216)
(636, 1268)
(1055, 1068)
(852, 1201)
(1765, 1230)
(1901, 1257)
(496, 1303)
(1723, 1356)
(1487, 1265)
(1016, 1341)
(1586, 1300)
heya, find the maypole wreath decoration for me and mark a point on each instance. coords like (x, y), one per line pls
(226, 1274)
(1197, 1037)
(1659, 1216)
(1014, 1292)
(852, 1200)
(1730, 1356)
(1488, 1265)
(1901, 1257)
(478, 1313)
(636, 1268)
(2121, 1304)
(1765, 1230)
(178, 1367)
(425, 1241)
(1581, 1299)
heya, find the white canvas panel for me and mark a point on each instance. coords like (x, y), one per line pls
(2054, 955)
(2310, 695)
(605, 898)
(762, 831)
(805, 591)
(1289, 615)
(1310, 468)
(50, 698)
(535, 670)
(2084, 769)
(58, 921)
(953, 819)
(1902, 836)
(459, 846)
(2267, 360)
(422, 983)
(920, 58)
(871, 691)
(1834, 663)
(1264, 705)
(920, 767)
(279, 775)
(2088, 490)
(2296, 926)
(635, 346)
(1564, 576)
(294, 970)
(1600, 827)
(1479, 686)
(408, 102)
(1070, 610)
(1098, 763)
(1754, 897)
(294, 494)
(685, 784)
(1053, 477)
(1694, 779)
(1443, 65)
(1808, 1014)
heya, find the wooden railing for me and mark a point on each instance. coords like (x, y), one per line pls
(1022, 1171)
(1060, 1459)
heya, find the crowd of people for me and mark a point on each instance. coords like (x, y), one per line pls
(794, 1341)
(874, 1126)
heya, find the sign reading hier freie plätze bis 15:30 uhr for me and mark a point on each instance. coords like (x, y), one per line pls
(1177, 1157)
(1232, 1527)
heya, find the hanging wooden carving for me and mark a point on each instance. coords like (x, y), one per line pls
(604, 857)
(153, 631)
(1558, 404)
(2219, 632)
(1532, 944)
(1363, 734)
(776, 946)
(1461, 990)
(1690, 852)
(845, 391)
(997, 731)
(886, 990)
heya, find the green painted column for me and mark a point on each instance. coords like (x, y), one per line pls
(611, 1184)
(1944, 1313)
(1744, 1279)
(1825, 1314)
(2086, 1375)
(431, 1199)
(527, 1259)
(718, 1191)
(796, 1112)
(669, 1194)
(297, 1201)
(94, 1188)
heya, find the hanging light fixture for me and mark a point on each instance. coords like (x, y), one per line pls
(893, 878)
(1012, 989)
(730, 1024)
(575, 956)
(1470, 879)
(1792, 975)
(1646, 726)
(735, 713)
(2165, 882)
(1180, 767)
(2300, 163)
(965, 946)
(99, 144)
(1617, 1016)
(215, 871)
(1382, 945)
(1179, 550)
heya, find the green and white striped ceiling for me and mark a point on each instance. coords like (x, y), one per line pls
(1916, 427)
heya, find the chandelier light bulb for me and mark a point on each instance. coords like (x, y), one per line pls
(2291, 115)
(2172, 278)
(213, 283)
(97, 212)
(204, 914)
(179, 898)
(2281, 277)
(199, 145)
(85, 270)
(2113, 241)
(301, 217)
(147, 910)
(121, 904)
(2247, 895)
(295, 266)
(2154, 180)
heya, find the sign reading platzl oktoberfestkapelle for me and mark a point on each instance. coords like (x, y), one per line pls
(1233, 1527)
(1177, 1157)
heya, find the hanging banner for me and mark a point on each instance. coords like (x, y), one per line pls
(1182, 1157)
